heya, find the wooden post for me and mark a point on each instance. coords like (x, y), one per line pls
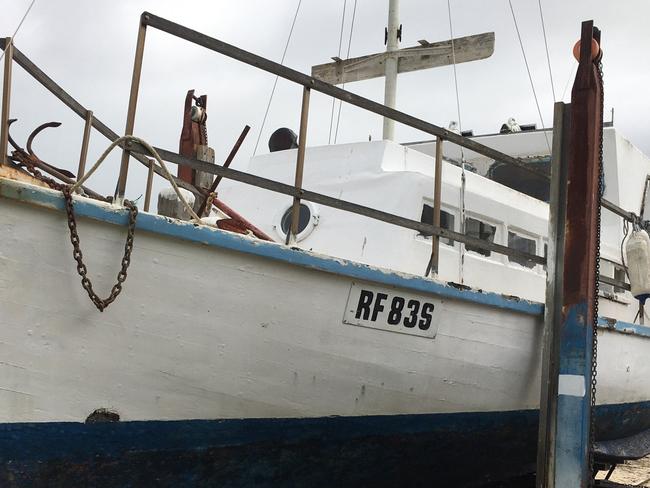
(133, 102)
(575, 393)
(147, 193)
(84, 144)
(300, 163)
(437, 190)
(6, 98)
(553, 309)
(390, 66)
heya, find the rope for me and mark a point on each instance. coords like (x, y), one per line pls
(530, 77)
(275, 83)
(329, 137)
(156, 156)
(347, 55)
(548, 57)
(18, 28)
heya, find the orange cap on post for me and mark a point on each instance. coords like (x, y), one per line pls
(595, 50)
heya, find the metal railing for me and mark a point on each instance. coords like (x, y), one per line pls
(296, 191)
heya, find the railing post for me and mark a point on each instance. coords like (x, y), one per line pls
(133, 102)
(437, 190)
(300, 164)
(84, 144)
(147, 193)
(6, 96)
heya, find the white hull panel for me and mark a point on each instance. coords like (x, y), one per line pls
(206, 332)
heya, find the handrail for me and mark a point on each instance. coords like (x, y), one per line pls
(308, 82)
(177, 30)
(50, 85)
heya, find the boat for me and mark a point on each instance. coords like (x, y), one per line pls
(330, 355)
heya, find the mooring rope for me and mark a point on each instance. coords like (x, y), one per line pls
(154, 153)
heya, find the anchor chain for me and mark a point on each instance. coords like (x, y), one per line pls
(594, 341)
(100, 303)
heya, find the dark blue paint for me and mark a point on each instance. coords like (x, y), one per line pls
(574, 412)
(399, 450)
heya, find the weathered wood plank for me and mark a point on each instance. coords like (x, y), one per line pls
(434, 55)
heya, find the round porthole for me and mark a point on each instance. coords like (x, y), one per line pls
(307, 219)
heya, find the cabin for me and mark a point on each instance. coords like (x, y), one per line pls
(495, 205)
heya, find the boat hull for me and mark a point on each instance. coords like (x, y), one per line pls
(462, 449)
(257, 340)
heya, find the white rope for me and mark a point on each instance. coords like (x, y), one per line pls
(347, 56)
(275, 83)
(329, 137)
(18, 28)
(156, 156)
(530, 77)
(548, 57)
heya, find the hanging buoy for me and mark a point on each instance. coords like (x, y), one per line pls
(595, 50)
(637, 250)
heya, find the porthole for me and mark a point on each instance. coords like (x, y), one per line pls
(307, 220)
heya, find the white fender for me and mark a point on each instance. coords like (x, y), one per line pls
(637, 250)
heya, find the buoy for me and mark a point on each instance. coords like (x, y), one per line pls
(595, 50)
(637, 250)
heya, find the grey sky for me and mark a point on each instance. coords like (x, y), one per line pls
(88, 46)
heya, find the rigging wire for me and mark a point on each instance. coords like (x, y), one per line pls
(275, 83)
(329, 137)
(347, 56)
(548, 57)
(453, 59)
(571, 75)
(461, 196)
(19, 25)
(530, 77)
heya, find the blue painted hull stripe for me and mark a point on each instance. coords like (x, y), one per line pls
(234, 242)
(51, 440)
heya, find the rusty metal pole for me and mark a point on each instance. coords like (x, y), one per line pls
(437, 193)
(300, 164)
(545, 475)
(84, 144)
(577, 331)
(6, 98)
(133, 102)
(147, 193)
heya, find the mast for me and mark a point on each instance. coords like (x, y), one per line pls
(393, 36)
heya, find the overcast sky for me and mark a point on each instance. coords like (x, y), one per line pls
(88, 47)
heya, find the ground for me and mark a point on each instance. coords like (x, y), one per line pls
(634, 473)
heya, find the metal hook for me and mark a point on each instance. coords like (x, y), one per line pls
(35, 132)
(11, 139)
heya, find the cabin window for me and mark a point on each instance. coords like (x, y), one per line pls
(303, 219)
(479, 230)
(307, 220)
(446, 222)
(524, 244)
(615, 271)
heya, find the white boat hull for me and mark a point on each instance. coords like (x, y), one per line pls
(212, 325)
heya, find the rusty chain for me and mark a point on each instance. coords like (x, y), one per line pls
(100, 303)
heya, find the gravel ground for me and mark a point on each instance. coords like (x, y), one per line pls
(634, 473)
